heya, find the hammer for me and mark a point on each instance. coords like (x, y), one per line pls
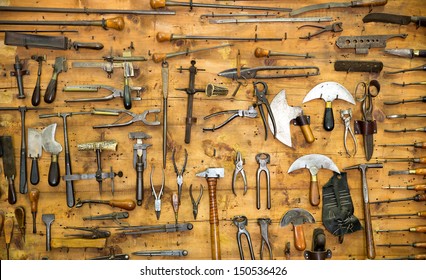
(211, 175)
(36, 98)
(371, 254)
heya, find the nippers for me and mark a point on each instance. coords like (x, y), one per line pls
(249, 113)
(335, 27)
(135, 117)
(262, 100)
(264, 223)
(157, 196)
(95, 233)
(179, 174)
(239, 169)
(195, 202)
(346, 116)
(263, 159)
(241, 222)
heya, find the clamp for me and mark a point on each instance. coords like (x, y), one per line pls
(241, 222)
(263, 159)
(346, 116)
(239, 169)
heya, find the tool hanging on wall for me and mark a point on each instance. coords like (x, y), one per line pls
(297, 217)
(420, 229)
(249, 113)
(414, 245)
(34, 197)
(142, 117)
(403, 101)
(318, 251)
(404, 116)
(168, 253)
(139, 161)
(269, 20)
(179, 173)
(175, 205)
(241, 222)
(239, 169)
(362, 44)
(157, 196)
(9, 225)
(35, 150)
(39, 30)
(408, 53)
(60, 66)
(420, 145)
(418, 68)
(94, 88)
(112, 256)
(137, 230)
(335, 27)
(403, 84)
(414, 160)
(394, 18)
(19, 73)
(346, 116)
(195, 203)
(21, 220)
(114, 216)
(48, 219)
(417, 171)
(263, 159)
(264, 223)
(165, 91)
(268, 72)
(261, 100)
(161, 57)
(213, 14)
(54, 148)
(123, 204)
(9, 166)
(351, 4)
(418, 129)
(358, 66)
(417, 188)
(36, 97)
(416, 198)
(169, 37)
(259, 52)
(421, 214)
(95, 233)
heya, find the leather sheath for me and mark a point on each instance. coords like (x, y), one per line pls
(358, 66)
(365, 127)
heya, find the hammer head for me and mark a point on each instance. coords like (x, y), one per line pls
(314, 162)
(110, 145)
(364, 166)
(216, 172)
(297, 216)
(39, 58)
(138, 135)
(329, 91)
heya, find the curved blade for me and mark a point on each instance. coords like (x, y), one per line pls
(297, 216)
(320, 6)
(329, 91)
(48, 140)
(314, 160)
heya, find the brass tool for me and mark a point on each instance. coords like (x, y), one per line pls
(421, 229)
(259, 52)
(21, 219)
(414, 245)
(416, 198)
(168, 37)
(160, 57)
(417, 188)
(123, 204)
(36, 97)
(414, 160)
(34, 196)
(8, 233)
(421, 145)
(18, 73)
(418, 214)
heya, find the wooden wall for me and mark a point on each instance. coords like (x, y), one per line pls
(216, 149)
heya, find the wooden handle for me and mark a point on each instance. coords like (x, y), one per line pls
(214, 220)
(259, 52)
(164, 37)
(422, 214)
(421, 229)
(419, 245)
(422, 160)
(139, 180)
(50, 94)
(78, 243)
(116, 23)
(34, 175)
(299, 238)
(36, 98)
(307, 133)
(8, 229)
(369, 3)
(371, 252)
(34, 196)
(420, 197)
(156, 4)
(159, 57)
(123, 204)
(127, 97)
(420, 257)
(314, 196)
(418, 188)
(328, 122)
(53, 176)
(11, 194)
(420, 171)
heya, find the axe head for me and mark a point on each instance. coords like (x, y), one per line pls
(329, 91)
(314, 162)
(297, 216)
(212, 173)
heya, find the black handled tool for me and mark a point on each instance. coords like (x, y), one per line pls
(36, 98)
(9, 166)
(59, 66)
(18, 73)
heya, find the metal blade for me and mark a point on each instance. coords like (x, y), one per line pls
(400, 52)
(320, 6)
(8, 157)
(329, 91)
(399, 172)
(387, 18)
(297, 216)
(368, 146)
(34, 143)
(313, 160)
(48, 140)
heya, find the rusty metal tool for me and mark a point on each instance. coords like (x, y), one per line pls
(259, 52)
(393, 18)
(169, 37)
(115, 92)
(414, 245)
(35, 149)
(418, 68)
(175, 205)
(142, 117)
(123, 204)
(9, 224)
(318, 251)
(179, 173)
(261, 92)
(195, 203)
(60, 66)
(362, 44)
(136, 230)
(404, 116)
(418, 129)
(18, 73)
(314, 162)
(34, 197)
(421, 229)
(116, 23)
(241, 222)
(421, 214)
(371, 252)
(264, 223)
(165, 91)
(249, 113)
(139, 161)
(403, 101)
(169, 253)
(239, 169)
(115, 216)
(51, 146)
(416, 198)
(417, 188)
(350, 4)
(212, 175)
(48, 220)
(263, 159)
(268, 72)
(95, 233)
(157, 196)
(403, 84)
(161, 57)
(36, 97)
(334, 27)
(421, 145)
(408, 53)
(21, 220)
(413, 160)
(297, 217)
(417, 171)
(273, 20)
(9, 167)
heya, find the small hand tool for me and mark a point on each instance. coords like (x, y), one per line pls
(239, 169)
(393, 18)
(35, 149)
(418, 214)
(9, 224)
(165, 91)
(414, 160)
(314, 162)
(96, 233)
(21, 220)
(417, 188)
(411, 257)
(39, 30)
(123, 204)
(112, 256)
(249, 113)
(421, 99)
(346, 116)
(262, 100)
(36, 97)
(115, 92)
(418, 68)
(273, 20)
(48, 220)
(318, 251)
(264, 223)
(135, 117)
(335, 27)
(421, 229)
(18, 73)
(161, 57)
(169, 37)
(195, 203)
(169, 253)
(329, 91)
(259, 52)
(157, 196)
(368, 66)
(362, 44)
(34, 196)
(404, 116)
(418, 129)
(414, 245)
(351, 4)
(416, 198)
(269, 72)
(213, 15)
(60, 66)
(403, 84)
(241, 222)
(51, 146)
(417, 171)
(136, 230)
(9, 167)
(139, 161)
(371, 252)
(263, 159)
(211, 175)
(297, 217)
(114, 23)
(179, 173)
(175, 205)
(115, 216)
(408, 53)
(421, 145)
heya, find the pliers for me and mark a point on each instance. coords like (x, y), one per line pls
(179, 174)
(135, 117)
(264, 223)
(335, 27)
(250, 113)
(263, 159)
(95, 233)
(239, 169)
(195, 202)
(157, 202)
(241, 222)
(262, 100)
(346, 116)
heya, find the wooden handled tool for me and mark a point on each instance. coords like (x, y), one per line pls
(297, 217)
(127, 204)
(8, 233)
(417, 188)
(259, 52)
(34, 196)
(160, 57)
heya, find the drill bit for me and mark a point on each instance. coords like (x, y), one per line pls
(417, 198)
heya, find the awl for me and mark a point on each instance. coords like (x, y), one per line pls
(417, 188)
(416, 198)
(417, 171)
(414, 160)
(409, 53)
(421, 229)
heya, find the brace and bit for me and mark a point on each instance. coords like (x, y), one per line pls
(239, 169)
(96, 233)
(241, 222)
(114, 216)
(335, 27)
(263, 159)
(249, 113)
(264, 223)
(135, 117)
(195, 203)
(157, 196)
(179, 174)
(346, 116)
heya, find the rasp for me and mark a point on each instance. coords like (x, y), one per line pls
(392, 18)
(9, 166)
(409, 53)
(351, 4)
(34, 152)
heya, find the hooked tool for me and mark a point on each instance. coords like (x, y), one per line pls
(115, 216)
(414, 245)
(362, 44)
(421, 229)
(170, 253)
(35, 149)
(270, 72)
(239, 169)
(346, 116)
(136, 230)
(318, 251)
(264, 223)
(139, 161)
(408, 53)
(18, 73)
(259, 52)
(135, 117)
(393, 18)
(371, 252)
(418, 129)
(335, 27)
(211, 175)
(417, 188)
(329, 91)
(367, 127)
(263, 159)
(116, 23)
(314, 162)
(21, 219)
(421, 214)
(417, 171)
(51, 146)
(351, 4)
(179, 173)
(34, 196)
(36, 97)
(416, 198)
(420, 99)
(60, 66)
(418, 68)
(161, 57)
(95, 233)
(115, 92)
(297, 217)
(48, 219)
(265, 20)
(9, 167)
(9, 224)
(195, 203)
(404, 116)
(262, 100)
(249, 113)
(421, 145)
(157, 196)
(123, 204)
(169, 37)
(165, 91)
(241, 222)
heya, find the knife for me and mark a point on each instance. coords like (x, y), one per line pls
(392, 18)
(34, 152)
(9, 166)
(51, 146)
(409, 53)
(351, 4)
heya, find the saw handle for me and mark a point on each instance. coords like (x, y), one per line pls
(11, 197)
(361, 3)
(53, 177)
(314, 196)
(214, 219)
(328, 122)
(299, 238)
(34, 175)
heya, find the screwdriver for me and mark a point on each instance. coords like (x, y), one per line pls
(421, 145)
(9, 223)
(175, 203)
(421, 229)
(414, 245)
(34, 195)
(419, 214)
(417, 198)
(417, 171)
(415, 160)
(418, 188)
